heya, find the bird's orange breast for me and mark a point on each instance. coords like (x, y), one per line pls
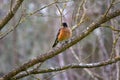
(65, 33)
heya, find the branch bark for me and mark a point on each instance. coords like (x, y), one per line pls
(70, 66)
(63, 47)
(10, 14)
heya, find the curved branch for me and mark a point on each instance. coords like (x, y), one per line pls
(63, 47)
(10, 14)
(70, 66)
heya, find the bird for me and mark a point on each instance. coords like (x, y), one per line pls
(63, 34)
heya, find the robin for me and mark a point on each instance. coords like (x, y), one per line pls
(64, 34)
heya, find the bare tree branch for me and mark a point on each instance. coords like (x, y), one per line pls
(70, 66)
(63, 47)
(10, 14)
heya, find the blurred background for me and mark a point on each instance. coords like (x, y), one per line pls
(36, 34)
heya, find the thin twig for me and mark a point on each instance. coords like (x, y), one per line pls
(111, 27)
(34, 12)
(56, 1)
(112, 3)
(82, 5)
(78, 11)
(43, 7)
(114, 45)
(2, 35)
(60, 13)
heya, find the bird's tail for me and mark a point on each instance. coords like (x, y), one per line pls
(55, 43)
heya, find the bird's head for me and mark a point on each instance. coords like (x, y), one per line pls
(64, 24)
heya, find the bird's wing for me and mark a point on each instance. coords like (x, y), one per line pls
(56, 40)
